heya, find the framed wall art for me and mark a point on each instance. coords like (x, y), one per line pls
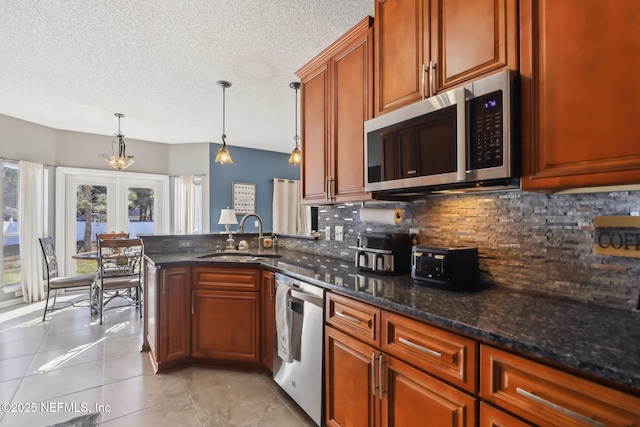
(244, 197)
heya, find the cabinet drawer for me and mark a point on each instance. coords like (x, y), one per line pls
(550, 397)
(227, 278)
(437, 352)
(492, 417)
(355, 318)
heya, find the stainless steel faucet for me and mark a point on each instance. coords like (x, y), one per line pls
(260, 236)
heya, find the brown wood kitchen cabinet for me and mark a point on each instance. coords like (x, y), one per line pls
(336, 99)
(579, 93)
(549, 397)
(225, 314)
(367, 386)
(425, 46)
(268, 320)
(493, 417)
(167, 303)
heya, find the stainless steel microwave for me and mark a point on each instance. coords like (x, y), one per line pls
(462, 138)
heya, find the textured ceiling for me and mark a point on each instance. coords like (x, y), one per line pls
(71, 64)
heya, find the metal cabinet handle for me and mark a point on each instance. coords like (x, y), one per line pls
(559, 408)
(420, 348)
(424, 70)
(432, 71)
(373, 374)
(347, 317)
(380, 386)
(326, 189)
(164, 282)
(193, 293)
(332, 188)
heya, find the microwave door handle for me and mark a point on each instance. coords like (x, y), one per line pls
(461, 131)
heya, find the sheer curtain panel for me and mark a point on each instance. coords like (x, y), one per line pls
(31, 228)
(289, 216)
(187, 212)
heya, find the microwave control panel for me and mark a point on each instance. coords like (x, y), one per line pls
(486, 131)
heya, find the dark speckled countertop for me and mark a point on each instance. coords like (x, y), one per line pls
(599, 341)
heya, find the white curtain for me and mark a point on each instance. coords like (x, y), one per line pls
(31, 228)
(187, 212)
(289, 216)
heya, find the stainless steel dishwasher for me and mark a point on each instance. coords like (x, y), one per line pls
(301, 376)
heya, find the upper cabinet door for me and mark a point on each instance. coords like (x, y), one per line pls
(423, 47)
(580, 93)
(315, 134)
(472, 38)
(401, 50)
(352, 100)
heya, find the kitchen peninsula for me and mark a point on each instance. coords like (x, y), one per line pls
(597, 345)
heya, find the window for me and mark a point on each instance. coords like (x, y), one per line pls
(11, 241)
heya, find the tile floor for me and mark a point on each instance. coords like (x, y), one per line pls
(70, 365)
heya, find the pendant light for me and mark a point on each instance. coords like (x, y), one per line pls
(223, 154)
(295, 153)
(121, 161)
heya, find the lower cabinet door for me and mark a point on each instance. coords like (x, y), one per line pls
(174, 337)
(225, 325)
(349, 381)
(412, 398)
(493, 417)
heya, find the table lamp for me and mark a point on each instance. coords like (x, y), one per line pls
(228, 217)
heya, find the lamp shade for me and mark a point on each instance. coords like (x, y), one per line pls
(228, 217)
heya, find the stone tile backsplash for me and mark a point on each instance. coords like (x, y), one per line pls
(529, 241)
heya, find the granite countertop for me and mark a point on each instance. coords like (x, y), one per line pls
(599, 341)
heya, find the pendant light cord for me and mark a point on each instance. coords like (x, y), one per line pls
(296, 86)
(224, 136)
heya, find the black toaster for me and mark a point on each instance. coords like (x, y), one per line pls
(449, 268)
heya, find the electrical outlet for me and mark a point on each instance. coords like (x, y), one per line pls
(184, 243)
(339, 233)
(327, 232)
(256, 223)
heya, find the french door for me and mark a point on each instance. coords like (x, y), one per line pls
(94, 202)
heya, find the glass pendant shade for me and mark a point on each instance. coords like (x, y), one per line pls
(121, 161)
(296, 156)
(223, 156)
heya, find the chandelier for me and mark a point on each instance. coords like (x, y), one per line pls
(121, 161)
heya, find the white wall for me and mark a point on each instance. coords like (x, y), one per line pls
(86, 150)
(21, 140)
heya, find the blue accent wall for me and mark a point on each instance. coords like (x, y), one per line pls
(252, 166)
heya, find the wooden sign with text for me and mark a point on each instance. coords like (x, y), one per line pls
(617, 235)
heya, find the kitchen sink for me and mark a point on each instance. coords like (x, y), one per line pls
(239, 256)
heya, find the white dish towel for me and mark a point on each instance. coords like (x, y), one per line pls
(283, 322)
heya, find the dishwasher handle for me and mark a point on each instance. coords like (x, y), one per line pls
(313, 299)
(294, 304)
